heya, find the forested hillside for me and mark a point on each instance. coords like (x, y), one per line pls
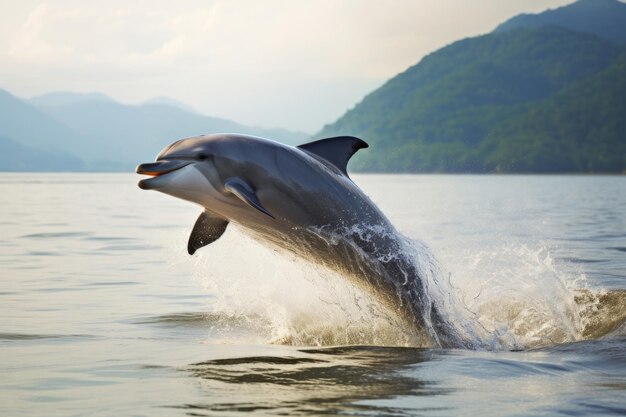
(529, 99)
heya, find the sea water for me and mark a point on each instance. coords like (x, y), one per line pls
(104, 313)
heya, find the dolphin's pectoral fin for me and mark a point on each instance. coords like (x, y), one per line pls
(242, 189)
(207, 230)
(337, 150)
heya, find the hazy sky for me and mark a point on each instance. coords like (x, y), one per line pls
(293, 64)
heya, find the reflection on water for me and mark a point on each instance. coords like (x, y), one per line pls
(104, 313)
(317, 381)
(364, 380)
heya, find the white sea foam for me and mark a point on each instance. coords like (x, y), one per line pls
(520, 295)
(508, 297)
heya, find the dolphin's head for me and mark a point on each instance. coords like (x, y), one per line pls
(215, 172)
(208, 169)
(184, 169)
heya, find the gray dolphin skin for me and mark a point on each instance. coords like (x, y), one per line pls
(301, 199)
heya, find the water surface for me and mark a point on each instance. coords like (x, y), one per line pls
(104, 313)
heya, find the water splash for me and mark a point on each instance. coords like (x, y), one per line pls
(508, 297)
(299, 303)
(525, 298)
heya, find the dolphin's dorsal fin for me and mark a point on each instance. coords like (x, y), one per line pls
(337, 150)
(208, 229)
(244, 191)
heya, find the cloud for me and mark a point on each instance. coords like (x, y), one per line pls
(55, 35)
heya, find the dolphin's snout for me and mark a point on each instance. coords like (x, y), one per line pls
(161, 167)
(158, 168)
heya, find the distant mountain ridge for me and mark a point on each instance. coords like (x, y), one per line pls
(64, 98)
(90, 131)
(32, 128)
(17, 157)
(604, 18)
(489, 103)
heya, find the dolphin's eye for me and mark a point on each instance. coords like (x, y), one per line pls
(201, 156)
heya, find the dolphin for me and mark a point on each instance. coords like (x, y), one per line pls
(301, 199)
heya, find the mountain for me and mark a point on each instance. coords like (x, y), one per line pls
(76, 131)
(592, 140)
(62, 98)
(508, 101)
(604, 18)
(23, 124)
(128, 134)
(17, 157)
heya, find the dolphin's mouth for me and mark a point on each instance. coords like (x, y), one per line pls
(158, 168)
